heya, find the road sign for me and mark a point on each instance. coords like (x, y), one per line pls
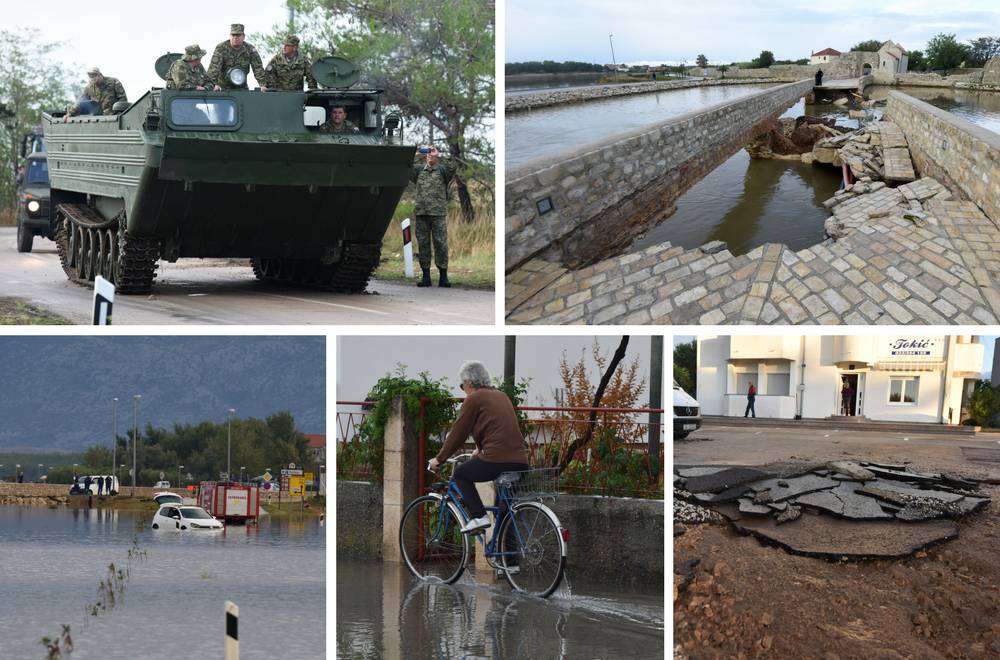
(267, 476)
(104, 298)
(291, 466)
(161, 476)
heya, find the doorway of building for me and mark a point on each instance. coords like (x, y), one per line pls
(852, 394)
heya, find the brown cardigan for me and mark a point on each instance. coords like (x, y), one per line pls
(489, 416)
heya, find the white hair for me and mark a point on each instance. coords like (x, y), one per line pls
(475, 373)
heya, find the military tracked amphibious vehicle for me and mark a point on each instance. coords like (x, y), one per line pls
(229, 174)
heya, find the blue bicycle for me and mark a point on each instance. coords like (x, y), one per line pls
(527, 547)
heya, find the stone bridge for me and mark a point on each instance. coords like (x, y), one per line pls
(588, 204)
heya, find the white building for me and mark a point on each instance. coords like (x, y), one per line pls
(904, 378)
(892, 58)
(824, 56)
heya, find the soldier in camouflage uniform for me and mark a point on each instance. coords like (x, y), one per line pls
(236, 53)
(104, 91)
(188, 73)
(338, 122)
(432, 175)
(287, 69)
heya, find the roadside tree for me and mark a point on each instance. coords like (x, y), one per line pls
(764, 60)
(916, 61)
(984, 403)
(870, 46)
(982, 49)
(685, 366)
(702, 61)
(945, 53)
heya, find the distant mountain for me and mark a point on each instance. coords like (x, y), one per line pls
(56, 392)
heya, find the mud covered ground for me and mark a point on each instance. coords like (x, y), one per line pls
(736, 598)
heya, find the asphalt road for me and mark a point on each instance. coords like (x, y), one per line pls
(977, 455)
(206, 291)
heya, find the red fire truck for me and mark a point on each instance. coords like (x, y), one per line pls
(230, 502)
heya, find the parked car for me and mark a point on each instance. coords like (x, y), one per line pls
(171, 517)
(687, 413)
(161, 484)
(166, 497)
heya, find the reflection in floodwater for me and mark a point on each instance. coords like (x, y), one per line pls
(977, 107)
(382, 611)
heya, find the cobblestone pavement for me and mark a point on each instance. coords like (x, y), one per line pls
(908, 255)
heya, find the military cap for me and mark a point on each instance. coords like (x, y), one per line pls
(236, 28)
(193, 52)
(94, 71)
(291, 40)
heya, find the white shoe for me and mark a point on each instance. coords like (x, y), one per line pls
(476, 525)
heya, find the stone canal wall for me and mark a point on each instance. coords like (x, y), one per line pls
(590, 203)
(612, 538)
(525, 102)
(964, 156)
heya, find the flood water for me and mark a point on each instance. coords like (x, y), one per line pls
(382, 611)
(980, 108)
(549, 131)
(51, 561)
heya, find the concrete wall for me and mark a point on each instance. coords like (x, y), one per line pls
(55, 490)
(960, 154)
(359, 520)
(612, 538)
(606, 193)
(848, 65)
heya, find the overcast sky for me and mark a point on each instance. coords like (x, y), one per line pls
(730, 30)
(124, 39)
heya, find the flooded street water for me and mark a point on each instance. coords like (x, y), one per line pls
(52, 560)
(549, 131)
(382, 611)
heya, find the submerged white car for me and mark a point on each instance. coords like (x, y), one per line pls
(171, 517)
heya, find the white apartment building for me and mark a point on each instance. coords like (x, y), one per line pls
(902, 378)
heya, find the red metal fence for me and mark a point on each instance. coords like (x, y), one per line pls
(615, 461)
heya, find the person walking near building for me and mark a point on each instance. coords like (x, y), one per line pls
(751, 397)
(432, 176)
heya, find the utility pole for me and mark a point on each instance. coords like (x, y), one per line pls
(509, 359)
(135, 435)
(613, 62)
(655, 398)
(114, 434)
(229, 444)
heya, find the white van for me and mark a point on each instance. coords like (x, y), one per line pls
(687, 413)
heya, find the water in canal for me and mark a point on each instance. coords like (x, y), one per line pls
(51, 561)
(382, 611)
(550, 131)
(977, 107)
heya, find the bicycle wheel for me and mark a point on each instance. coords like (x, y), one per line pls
(531, 534)
(431, 541)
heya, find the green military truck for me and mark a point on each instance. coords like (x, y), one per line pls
(238, 173)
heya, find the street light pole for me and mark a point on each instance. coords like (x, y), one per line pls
(135, 435)
(114, 433)
(229, 444)
(613, 62)
(179, 468)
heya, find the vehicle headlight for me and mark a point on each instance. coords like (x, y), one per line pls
(33, 206)
(237, 76)
(196, 525)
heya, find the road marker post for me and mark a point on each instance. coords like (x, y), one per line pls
(104, 298)
(232, 631)
(407, 247)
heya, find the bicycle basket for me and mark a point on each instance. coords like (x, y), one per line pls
(530, 484)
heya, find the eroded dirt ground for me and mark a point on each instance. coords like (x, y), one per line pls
(736, 598)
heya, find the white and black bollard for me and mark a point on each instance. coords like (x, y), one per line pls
(407, 247)
(232, 631)
(104, 298)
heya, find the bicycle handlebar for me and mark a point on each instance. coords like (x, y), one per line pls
(454, 460)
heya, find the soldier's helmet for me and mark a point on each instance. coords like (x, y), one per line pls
(193, 52)
(236, 28)
(93, 72)
(291, 40)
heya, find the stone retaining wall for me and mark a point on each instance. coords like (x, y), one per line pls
(525, 102)
(962, 155)
(55, 490)
(605, 194)
(612, 538)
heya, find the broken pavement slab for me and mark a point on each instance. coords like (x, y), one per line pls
(846, 502)
(795, 486)
(723, 479)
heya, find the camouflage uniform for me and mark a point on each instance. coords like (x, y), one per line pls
(287, 74)
(431, 210)
(105, 94)
(347, 127)
(182, 76)
(226, 57)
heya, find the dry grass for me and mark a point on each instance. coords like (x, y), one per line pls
(8, 218)
(471, 247)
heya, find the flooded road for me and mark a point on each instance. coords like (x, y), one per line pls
(382, 611)
(51, 561)
(550, 131)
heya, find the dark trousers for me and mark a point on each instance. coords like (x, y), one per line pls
(750, 410)
(474, 470)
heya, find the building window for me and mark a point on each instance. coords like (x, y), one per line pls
(778, 384)
(741, 378)
(903, 390)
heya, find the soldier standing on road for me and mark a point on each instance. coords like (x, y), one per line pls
(338, 122)
(188, 73)
(236, 53)
(432, 176)
(287, 69)
(751, 397)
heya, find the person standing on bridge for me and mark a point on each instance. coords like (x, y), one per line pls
(819, 77)
(432, 175)
(751, 397)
